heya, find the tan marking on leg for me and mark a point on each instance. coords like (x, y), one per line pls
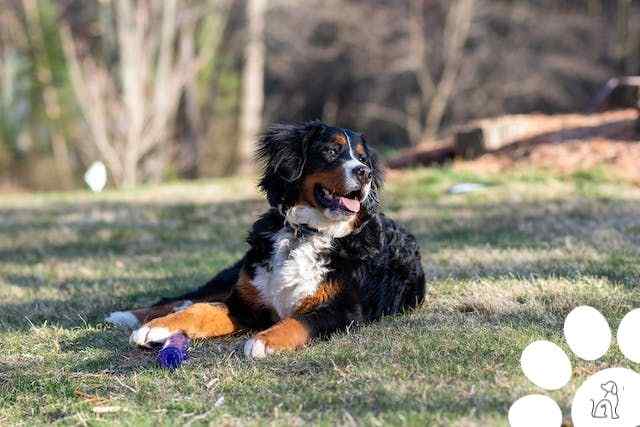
(201, 320)
(288, 334)
(325, 292)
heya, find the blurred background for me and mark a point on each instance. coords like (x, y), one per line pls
(178, 89)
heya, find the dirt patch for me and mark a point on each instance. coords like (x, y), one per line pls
(570, 143)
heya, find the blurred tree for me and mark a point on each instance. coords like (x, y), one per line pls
(197, 116)
(36, 118)
(435, 93)
(162, 89)
(400, 69)
(130, 106)
(51, 80)
(252, 83)
(627, 49)
(594, 7)
(13, 90)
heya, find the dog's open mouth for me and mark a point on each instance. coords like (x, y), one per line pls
(348, 203)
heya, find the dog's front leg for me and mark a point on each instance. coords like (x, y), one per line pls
(311, 321)
(288, 334)
(201, 320)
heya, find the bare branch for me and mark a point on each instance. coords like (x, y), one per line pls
(252, 83)
(417, 31)
(456, 32)
(90, 104)
(131, 119)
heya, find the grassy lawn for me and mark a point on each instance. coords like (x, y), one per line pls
(504, 266)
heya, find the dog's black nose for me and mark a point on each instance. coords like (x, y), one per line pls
(363, 173)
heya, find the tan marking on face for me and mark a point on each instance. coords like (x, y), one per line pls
(360, 150)
(248, 293)
(333, 180)
(288, 334)
(340, 138)
(201, 320)
(326, 291)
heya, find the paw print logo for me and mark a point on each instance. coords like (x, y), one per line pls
(609, 397)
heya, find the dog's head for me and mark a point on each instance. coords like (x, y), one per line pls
(610, 387)
(320, 175)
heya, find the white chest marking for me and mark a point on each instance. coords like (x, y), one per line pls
(296, 269)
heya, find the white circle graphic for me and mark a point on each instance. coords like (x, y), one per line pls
(628, 335)
(546, 365)
(608, 398)
(535, 410)
(587, 333)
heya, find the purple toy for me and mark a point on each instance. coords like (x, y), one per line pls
(174, 351)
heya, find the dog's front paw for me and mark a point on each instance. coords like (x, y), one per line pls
(256, 348)
(149, 334)
(288, 334)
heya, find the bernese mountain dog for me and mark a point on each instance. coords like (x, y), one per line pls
(320, 259)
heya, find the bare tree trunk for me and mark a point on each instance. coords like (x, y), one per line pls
(62, 157)
(50, 96)
(435, 94)
(456, 32)
(252, 84)
(622, 28)
(191, 120)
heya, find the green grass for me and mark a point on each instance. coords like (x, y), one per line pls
(504, 265)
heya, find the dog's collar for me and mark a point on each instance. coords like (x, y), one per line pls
(300, 230)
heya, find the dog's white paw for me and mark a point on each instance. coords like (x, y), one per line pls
(255, 348)
(124, 319)
(145, 336)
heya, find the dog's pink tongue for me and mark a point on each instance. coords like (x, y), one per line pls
(350, 204)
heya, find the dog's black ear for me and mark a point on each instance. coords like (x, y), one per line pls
(282, 153)
(372, 203)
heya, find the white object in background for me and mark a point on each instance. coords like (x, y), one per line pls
(96, 177)
(628, 335)
(465, 187)
(587, 332)
(546, 365)
(535, 410)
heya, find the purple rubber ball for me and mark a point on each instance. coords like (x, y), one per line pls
(174, 351)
